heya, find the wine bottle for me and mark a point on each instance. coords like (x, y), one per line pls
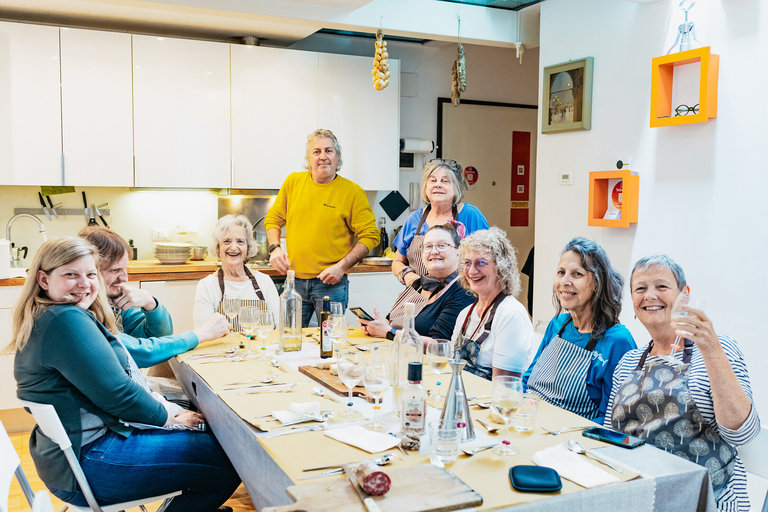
(326, 329)
(414, 410)
(290, 317)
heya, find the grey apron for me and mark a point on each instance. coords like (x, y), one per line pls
(469, 349)
(243, 302)
(655, 403)
(560, 375)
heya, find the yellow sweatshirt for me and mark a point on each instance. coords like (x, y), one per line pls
(323, 221)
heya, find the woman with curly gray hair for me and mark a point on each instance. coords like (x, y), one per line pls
(574, 365)
(233, 243)
(494, 334)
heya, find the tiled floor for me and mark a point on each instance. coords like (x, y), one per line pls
(240, 501)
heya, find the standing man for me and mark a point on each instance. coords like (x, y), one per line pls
(145, 325)
(329, 226)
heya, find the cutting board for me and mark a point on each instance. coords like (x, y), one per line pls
(333, 383)
(419, 488)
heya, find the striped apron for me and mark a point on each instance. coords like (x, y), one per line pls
(243, 302)
(655, 402)
(559, 376)
(469, 349)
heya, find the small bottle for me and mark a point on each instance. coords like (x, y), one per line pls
(135, 254)
(384, 236)
(414, 411)
(326, 329)
(290, 317)
(407, 347)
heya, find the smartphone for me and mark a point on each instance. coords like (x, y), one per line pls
(361, 314)
(613, 437)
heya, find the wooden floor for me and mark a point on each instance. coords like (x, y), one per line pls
(240, 501)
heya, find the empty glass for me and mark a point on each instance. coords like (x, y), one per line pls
(231, 308)
(350, 366)
(683, 299)
(445, 437)
(377, 379)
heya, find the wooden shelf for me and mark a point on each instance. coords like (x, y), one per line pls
(662, 79)
(598, 198)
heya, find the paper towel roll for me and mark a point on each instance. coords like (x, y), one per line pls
(5, 259)
(416, 146)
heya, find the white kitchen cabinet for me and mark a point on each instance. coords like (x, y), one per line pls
(366, 121)
(178, 297)
(8, 297)
(181, 94)
(30, 105)
(97, 108)
(372, 289)
(274, 108)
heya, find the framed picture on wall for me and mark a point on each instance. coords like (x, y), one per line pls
(567, 96)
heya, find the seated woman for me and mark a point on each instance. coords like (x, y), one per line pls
(68, 355)
(441, 298)
(494, 334)
(573, 367)
(233, 244)
(696, 404)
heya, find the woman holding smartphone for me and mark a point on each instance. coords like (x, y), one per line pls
(696, 404)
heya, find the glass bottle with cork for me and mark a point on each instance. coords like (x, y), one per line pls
(408, 347)
(414, 409)
(290, 317)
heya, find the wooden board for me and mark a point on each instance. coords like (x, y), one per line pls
(421, 488)
(333, 383)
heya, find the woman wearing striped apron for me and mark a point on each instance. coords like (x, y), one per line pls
(696, 404)
(573, 368)
(442, 189)
(234, 244)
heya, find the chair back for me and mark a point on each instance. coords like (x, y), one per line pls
(753, 454)
(10, 464)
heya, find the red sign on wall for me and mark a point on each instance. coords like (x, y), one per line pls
(470, 173)
(521, 161)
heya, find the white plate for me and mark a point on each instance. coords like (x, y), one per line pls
(166, 261)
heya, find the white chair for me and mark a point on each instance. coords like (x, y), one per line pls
(755, 461)
(51, 426)
(10, 464)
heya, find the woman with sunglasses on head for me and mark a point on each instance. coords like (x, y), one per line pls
(440, 299)
(443, 186)
(573, 367)
(493, 334)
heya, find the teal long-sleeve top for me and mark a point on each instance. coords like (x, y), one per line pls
(149, 336)
(73, 362)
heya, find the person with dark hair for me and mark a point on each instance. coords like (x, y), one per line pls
(573, 367)
(441, 297)
(697, 403)
(144, 325)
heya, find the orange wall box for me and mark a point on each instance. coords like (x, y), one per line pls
(624, 190)
(661, 87)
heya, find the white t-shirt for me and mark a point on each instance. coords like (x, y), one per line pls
(509, 346)
(208, 295)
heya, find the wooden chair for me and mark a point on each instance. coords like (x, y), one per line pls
(50, 424)
(10, 465)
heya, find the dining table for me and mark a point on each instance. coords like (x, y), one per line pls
(238, 392)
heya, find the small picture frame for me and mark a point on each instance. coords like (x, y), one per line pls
(567, 96)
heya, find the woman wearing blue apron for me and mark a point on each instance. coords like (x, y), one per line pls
(573, 368)
(696, 404)
(494, 334)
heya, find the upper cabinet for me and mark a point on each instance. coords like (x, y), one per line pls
(274, 108)
(366, 121)
(181, 94)
(30, 108)
(97, 110)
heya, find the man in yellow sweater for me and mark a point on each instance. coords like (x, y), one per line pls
(329, 226)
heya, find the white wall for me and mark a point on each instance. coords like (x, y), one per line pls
(702, 186)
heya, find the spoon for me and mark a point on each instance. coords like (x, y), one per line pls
(381, 461)
(482, 406)
(317, 390)
(277, 365)
(228, 352)
(489, 428)
(576, 447)
(472, 451)
(265, 380)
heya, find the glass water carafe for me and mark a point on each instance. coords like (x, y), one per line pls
(290, 317)
(408, 348)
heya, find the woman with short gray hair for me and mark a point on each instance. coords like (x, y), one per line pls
(233, 244)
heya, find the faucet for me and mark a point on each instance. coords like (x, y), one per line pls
(18, 216)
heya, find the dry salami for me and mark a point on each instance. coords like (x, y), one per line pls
(372, 479)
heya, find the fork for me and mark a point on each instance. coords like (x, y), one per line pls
(564, 430)
(294, 431)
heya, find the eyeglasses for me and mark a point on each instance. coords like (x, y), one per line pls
(440, 247)
(478, 264)
(684, 110)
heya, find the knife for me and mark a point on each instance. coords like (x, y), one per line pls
(92, 222)
(45, 208)
(85, 205)
(101, 217)
(367, 500)
(50, 203)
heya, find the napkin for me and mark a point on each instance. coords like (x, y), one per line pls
(297, 412)
(573, 466)
(360, 437)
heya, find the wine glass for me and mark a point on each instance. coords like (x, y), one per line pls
(340, 330)
(506, 394)
(231, 308)
(350, 366)
(683, 299)
(265, 324)
(438, 353)
(377, 378)
(337, 308)
(247, 319)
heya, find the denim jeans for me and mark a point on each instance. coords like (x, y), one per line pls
(312, 292)
(154, 462)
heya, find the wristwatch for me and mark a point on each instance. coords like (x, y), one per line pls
(391, 334)
(272, 247)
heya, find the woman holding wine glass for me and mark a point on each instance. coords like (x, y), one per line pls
(494, 334)
(696, 404)
(233, 244)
